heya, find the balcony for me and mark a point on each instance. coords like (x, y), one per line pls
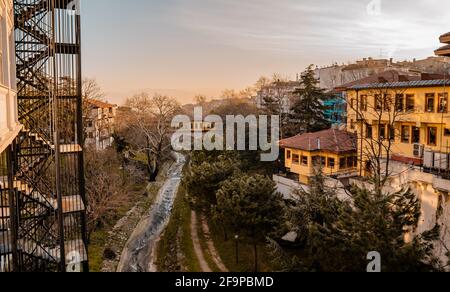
(9, 125)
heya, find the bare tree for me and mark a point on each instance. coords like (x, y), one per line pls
(147, 128)
(379, 112)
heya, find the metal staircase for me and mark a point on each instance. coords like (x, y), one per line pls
(43, 203)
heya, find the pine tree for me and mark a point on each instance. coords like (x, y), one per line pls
(251, 207)
(337, 235)
(203, 179)
(308, 109)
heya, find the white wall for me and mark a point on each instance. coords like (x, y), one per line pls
(9, 126)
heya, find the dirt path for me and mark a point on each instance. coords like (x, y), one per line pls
(211, 248)
(196, 242)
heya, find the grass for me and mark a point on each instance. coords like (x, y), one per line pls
(96, 249)
(177, 239)
(227, 251)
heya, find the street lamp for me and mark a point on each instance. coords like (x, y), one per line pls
(236, 238)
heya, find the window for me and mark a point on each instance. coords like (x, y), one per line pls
(91, 135)
(352, 162)
(415, 135)
(3, 57)
(429, 106)
(331, 163)
(343, 163)
(447, 132)
(288, 154)
(432, 136)
(406, 134)
(378, 102)
(400, 102)
(410, 102)
(363, 103)
(295, 159)
(352, 125)
(443, 102)
(392, 133)
(382, 132)
(369, 132)
(305, 160)
(387, 101)
(319, 161)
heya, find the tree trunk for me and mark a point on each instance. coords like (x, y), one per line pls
(154, 173)
(255, 247)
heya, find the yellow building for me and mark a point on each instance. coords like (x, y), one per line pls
(414, 116)
(334, 151)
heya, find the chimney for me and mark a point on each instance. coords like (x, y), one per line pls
(391, 61)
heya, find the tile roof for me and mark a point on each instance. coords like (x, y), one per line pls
(407, 84)
(386, 76)
(99, 103)
(332, 140)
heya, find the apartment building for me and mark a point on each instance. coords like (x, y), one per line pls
(100, 119)
(411, 119)
(278, 94)
(9, 124)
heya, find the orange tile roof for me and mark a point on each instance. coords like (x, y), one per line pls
(100, 104)
(332, 140)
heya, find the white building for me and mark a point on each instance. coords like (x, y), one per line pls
(100, 119)
(9, 125)
(281, 94)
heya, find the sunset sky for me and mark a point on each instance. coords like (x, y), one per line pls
(188, 47)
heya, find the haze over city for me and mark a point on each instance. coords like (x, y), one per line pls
(183, 48)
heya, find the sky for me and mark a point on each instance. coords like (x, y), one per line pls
(187, 47)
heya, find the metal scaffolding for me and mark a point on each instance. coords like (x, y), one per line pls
(43, 223)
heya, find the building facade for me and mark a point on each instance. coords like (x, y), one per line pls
(100, 120)
(419, 110)
(410, 121)
(9, 123)
(42, 194)
(333, 151)
(279, 95)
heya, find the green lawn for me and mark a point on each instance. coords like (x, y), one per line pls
(227, 251)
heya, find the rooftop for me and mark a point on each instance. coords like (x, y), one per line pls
(331, 140)
(407, 84)
(99, 104)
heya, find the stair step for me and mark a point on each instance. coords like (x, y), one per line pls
(63, 148)
(71, 204)
(75, 251)
(4, 213)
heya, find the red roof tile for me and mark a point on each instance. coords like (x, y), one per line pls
(332, 140)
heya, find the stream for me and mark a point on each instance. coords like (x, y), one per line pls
(139, 253)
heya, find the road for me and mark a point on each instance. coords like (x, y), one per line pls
(138, 255)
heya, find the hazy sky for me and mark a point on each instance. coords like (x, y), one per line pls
(188, 47)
